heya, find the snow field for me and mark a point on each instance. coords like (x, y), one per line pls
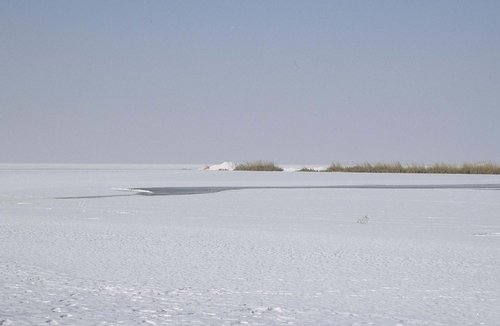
(258, 257)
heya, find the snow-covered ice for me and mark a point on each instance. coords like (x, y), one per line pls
(76, 250)
(224, 166)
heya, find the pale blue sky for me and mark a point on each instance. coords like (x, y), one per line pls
(211, 81)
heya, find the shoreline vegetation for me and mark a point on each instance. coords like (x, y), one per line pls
(437, 168)
(440, 168)
(258, 166)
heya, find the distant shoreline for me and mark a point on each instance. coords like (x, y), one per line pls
(264, 166)
(436, 168)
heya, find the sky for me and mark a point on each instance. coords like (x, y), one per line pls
(287, 81)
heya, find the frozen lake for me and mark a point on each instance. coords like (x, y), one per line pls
(258, 248)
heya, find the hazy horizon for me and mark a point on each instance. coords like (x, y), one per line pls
(293, 82)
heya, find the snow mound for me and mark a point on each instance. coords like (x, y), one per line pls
(225, 166)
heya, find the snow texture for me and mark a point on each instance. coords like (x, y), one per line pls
(262, 256)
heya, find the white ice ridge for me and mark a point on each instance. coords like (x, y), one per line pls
(132, 190)
(225, 166)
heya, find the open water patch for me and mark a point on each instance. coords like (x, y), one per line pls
(179, 191)
(169, 191)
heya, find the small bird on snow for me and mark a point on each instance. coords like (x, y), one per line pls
(363, 220)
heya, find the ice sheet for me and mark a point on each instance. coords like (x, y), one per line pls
(257, 256)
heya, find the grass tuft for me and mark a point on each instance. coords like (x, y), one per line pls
(308, 170)
(466, 168)
(257, 166)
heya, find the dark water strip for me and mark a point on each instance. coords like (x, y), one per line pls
(179, 191)
(170, 191)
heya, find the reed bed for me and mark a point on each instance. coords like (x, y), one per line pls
(258, 166)
(466, 168)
